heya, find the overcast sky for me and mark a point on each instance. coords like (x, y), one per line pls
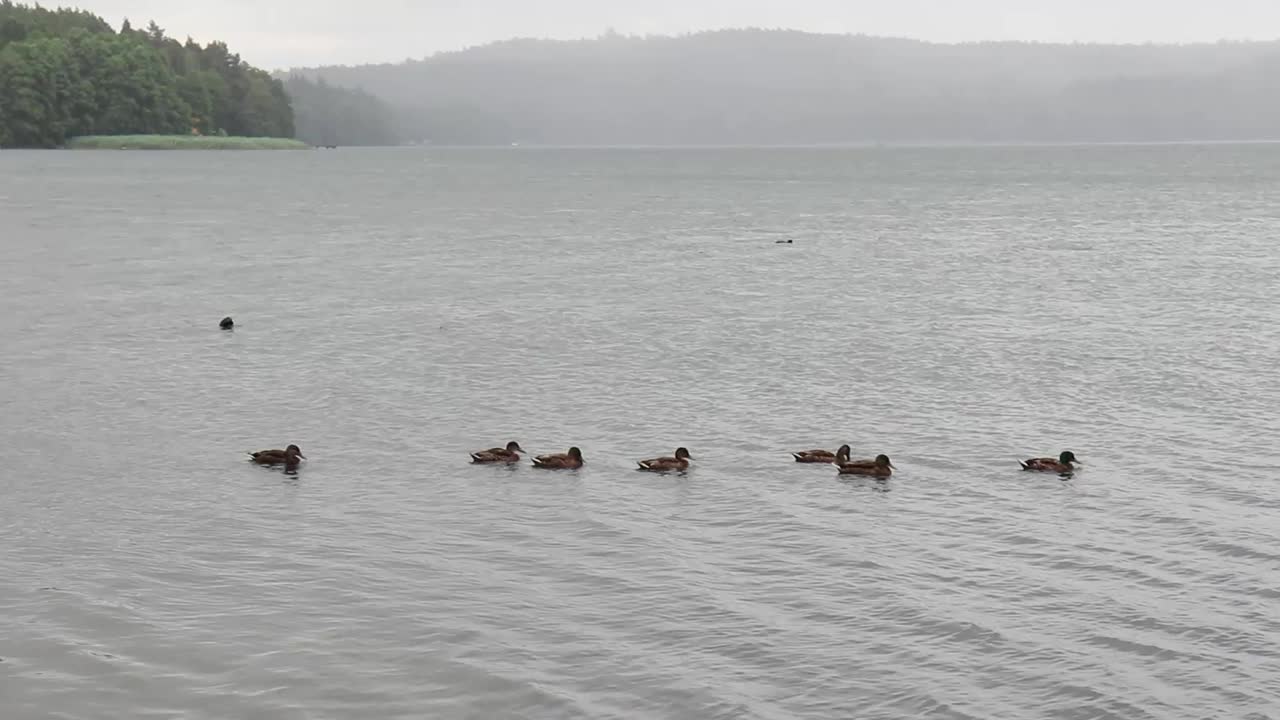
(281, 33)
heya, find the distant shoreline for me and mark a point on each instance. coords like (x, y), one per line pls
(938, 145)
(182, 142)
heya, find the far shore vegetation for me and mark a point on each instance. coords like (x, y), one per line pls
(68, 74)
(182, 142)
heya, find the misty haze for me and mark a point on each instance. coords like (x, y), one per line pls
(756, 87)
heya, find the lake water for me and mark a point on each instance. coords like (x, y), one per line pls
(957, 309)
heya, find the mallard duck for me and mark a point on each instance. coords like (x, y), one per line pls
(571, 460)
(509, 454)
(821, 456)
(880, 467)
(667, 464)
(1063, 465)
(288, 457)
(227, 323)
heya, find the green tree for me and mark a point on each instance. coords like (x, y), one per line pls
(66, 72)
(195, 93)
(36, 88)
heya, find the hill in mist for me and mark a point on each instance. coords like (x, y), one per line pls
(787, 87)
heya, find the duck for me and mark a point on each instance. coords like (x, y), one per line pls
(666, 464)
(822, 456)
(227, 323)
(288, 457)
(1064, 465)
(571, 460)
(783, 242)
(880, 467)
(508, 455)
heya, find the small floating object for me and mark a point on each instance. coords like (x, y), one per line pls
(678, 462)
(571, 460)
(825, 457)
(880, 467)
(783, 242)
(227, 323)
(508, 455)
(1064, 465)
(289, 457)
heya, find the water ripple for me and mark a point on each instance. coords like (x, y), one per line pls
(956, 309)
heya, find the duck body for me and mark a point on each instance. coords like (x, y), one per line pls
(1064, 464)
(825, 457)
(571, 460)
(677, 463)
(880, 467)
(507, 455)
(290, 456)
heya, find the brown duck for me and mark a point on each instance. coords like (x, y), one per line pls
(571, 460)
(821, 456)
(880, 467)
(508, 455)
(289, 457)
(679, 462)
(1064, 465)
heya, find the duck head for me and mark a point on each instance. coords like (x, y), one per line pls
(576, 454)
(883, 461)
(1067, 457)
(683, 454)
(514, 446)
(294, 450)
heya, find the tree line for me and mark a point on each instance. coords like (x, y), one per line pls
(67, 73)
(757, 86)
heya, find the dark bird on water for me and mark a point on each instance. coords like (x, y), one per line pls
(1064, 465)
(571, 460)
(880, 467)
(679, 461)
(508, 455)
(783, 242)
(822, 456)
(289, 457)
(227, 323)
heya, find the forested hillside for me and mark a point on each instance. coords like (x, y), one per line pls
(785, 87)
(66, 73)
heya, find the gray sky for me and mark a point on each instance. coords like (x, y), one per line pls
(280, 33)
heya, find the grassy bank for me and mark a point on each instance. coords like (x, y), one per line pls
(181, 142)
